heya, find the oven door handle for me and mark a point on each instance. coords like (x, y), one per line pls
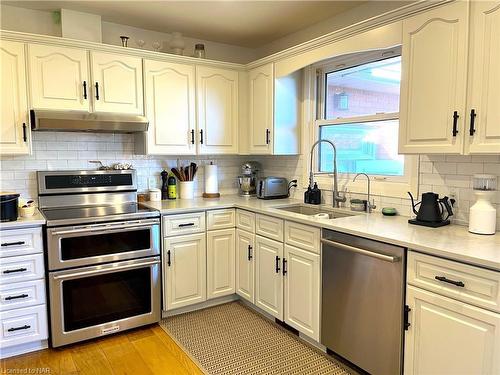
(106, 270)
(104, 228)
(387, 258)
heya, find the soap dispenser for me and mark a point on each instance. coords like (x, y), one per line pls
(307, 195)
(315, 194)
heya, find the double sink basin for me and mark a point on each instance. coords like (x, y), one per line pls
(315, 211)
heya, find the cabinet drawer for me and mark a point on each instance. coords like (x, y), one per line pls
(302, 236)
(245, 220)
(21, 242)
(21, 326)
(23, 268)
(474, 285)
(220, 219)
(269, 227)
(18, 295)
(184, 223)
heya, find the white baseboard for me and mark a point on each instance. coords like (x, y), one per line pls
(200, 306)
(34, 346)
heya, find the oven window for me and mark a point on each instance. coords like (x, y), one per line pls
(105, 298)
(103, 244)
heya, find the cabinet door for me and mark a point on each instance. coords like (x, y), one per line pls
(170, 108)
(117, 83)
(59, 78)
(220, 263)
(450, 337)
(302, 277)
(268, 279)
(484, 78)
(261, 109)
(433, 81)
(184, 265)
(14, 126)
(217, 110)
(245, 265)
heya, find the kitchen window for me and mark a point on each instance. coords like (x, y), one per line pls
(358, 110)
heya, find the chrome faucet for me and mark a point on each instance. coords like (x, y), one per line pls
(369, 205)
(337, 197)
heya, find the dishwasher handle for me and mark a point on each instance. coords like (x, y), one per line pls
(387, 258)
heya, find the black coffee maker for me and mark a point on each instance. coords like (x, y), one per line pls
(431, 212)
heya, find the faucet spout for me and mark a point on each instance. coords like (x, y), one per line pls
(337, 198)
(369, 205)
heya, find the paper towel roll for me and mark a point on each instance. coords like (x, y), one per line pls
(211, 181)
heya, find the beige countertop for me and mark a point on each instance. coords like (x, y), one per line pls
(22, 222)
(452, 241)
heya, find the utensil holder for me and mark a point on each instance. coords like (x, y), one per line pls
(186, 189)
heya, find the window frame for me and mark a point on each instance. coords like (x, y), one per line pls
(383, 185)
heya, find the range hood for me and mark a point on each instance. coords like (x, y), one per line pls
(76, 121)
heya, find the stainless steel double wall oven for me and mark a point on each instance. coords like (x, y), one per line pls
(103, 254)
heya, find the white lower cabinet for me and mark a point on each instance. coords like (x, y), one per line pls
(446, 336)
(301, 270)
(245, 265)
(220, 263)
(184, 265)
(268, 278)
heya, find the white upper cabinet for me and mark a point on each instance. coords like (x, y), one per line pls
(217, 91)
(170, 108)
(261, 109)
(433, 81)
(14, 113)
(59, 78)
(117, 83)
(483, 136)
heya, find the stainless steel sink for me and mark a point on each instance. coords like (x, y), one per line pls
(310, 210)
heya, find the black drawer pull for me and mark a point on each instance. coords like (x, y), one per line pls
(97, 90)
(284, 266)
(201, 136)
(278, 269)
(268, 132)
(25, 137)
(407, 323)
(472, 130)
(18, 328)
(15, 270)
(445, 280)
(186, 225)
(84, 89)
(455, 123)
(249, 252)
(192, 136)
(13, 243)
(168, 258)
(10, 298)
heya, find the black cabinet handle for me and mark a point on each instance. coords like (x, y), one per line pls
(18, 328)
(249, 252)
(186, 225)
(284, 267)
(192, 136)
(268, 132)
(472, 120)
(15, 270)
(9, 298)
(201, 136)
(455, 123)
(445, 280)
(406, 318)
(25, 137)
(278, 264)
(13, 243)
(84, 89)
(97, 90)
(168, 258)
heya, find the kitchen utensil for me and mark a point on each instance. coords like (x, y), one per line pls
(247, 181)
(177, 173)
(431, 210)
(483, 215)
(8, 204)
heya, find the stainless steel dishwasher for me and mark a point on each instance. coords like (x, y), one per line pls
(362, 317)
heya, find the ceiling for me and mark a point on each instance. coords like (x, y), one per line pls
(238, 22)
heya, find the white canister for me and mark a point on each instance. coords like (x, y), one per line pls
(186, 189)
(154, 195)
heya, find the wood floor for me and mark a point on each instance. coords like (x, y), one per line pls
(145, 351)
